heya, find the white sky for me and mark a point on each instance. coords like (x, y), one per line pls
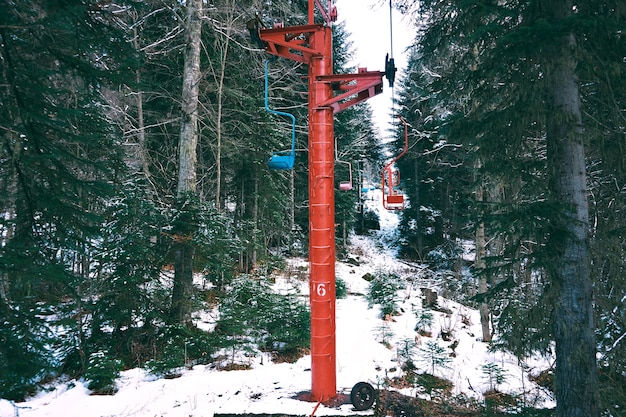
(369, 25)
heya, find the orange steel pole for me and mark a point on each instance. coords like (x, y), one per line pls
(312, 45)
(322, 222)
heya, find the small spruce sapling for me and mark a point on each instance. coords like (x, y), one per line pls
(385, 333)
(434, 356)
(424, 322)
(383, 290)
(494, 375)
(102, 371)
(341, 288)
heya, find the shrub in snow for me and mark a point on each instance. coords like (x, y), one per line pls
(177, 346)
(384, 333)
(25, 357)
(341, 289)
(405, 352)
(424, 322)
(102, 371)
(494, 375)
(253, 314)
(383, 290)
(434, 356)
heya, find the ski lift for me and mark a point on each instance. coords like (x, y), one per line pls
(344, 185)
(282, 160)
(392, 200)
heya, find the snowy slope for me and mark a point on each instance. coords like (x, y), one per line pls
(271, 388)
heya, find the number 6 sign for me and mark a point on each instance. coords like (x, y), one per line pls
(321, 290)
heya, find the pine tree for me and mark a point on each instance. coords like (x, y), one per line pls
(495, 78)
(60, 157)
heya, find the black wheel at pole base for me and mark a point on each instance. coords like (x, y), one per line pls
(362, 396)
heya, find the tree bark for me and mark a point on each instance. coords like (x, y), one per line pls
(141, 130)
(255, 219)
(576, 378)
(222, 45)
(183, 234)
(191, 78)
(479, 263)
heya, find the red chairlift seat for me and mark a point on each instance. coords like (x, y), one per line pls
(346, 185)
(392, 200)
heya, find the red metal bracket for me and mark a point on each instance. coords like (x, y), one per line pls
(292, 42)
(355, 88)
(331, 14)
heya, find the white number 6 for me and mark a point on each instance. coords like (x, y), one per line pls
(321, 290)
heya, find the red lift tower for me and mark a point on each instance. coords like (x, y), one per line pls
(329, 93)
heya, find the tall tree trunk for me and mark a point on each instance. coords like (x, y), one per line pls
(224, 46)
(576, 380)
(416, 203)
(255, 221)
(183, 242)
(479, 263)
(141, 129)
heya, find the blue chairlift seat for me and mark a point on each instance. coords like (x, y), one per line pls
(281, 160)
(278, 161)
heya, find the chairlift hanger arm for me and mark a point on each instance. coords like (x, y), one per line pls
(406, 143)
(284, 159)
(393, 200)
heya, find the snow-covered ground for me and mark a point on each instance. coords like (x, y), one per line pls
(271, 388)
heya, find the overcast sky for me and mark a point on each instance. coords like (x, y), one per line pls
(369, 24)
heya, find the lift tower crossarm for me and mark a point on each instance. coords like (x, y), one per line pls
(356, 88)
(292, 42)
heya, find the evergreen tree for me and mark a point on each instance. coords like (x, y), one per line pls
(131, 296)
(505, 77)
(59, 156)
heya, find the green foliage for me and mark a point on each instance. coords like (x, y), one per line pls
(341, 288)
(405, 351)
(433, 385)
(177, 346)
(130, 255)
(58, 162)
(367, 220)
(252, 314)
(216, 245)
(424, 320)
(102, 371)
(25, 358)
(383, 290)
(434, 356)
(494, 375)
